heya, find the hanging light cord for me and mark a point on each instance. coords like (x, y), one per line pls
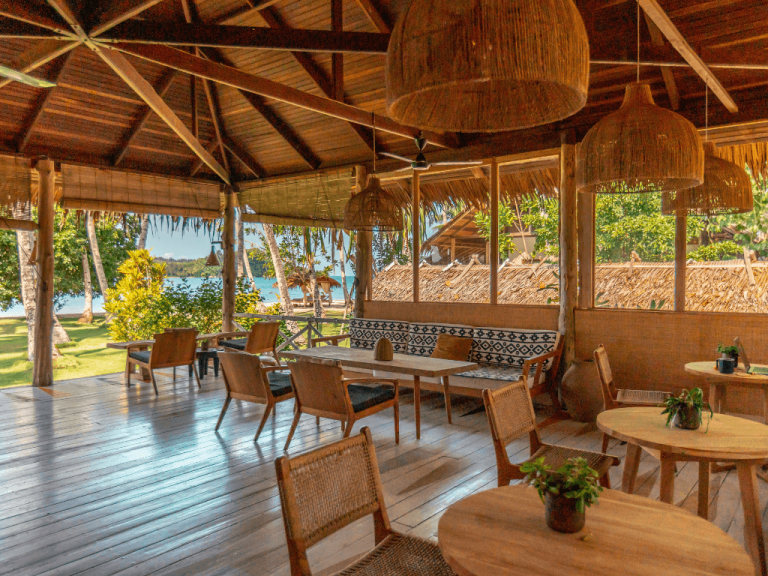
(638, 40)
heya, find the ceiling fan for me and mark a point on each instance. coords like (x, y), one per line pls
(421, 163)
(24, 78)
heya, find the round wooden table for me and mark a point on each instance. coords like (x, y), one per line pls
(728, 439)
(719, 383)
(502, 532)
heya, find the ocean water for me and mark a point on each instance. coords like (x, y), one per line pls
(268, 293)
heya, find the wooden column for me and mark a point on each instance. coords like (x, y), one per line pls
(586, 217)
(363, 260)
(493, 261)
(228, 268)
(42, 372)
(568, 250)
(453, 249)
(681, 242)
(415, 227)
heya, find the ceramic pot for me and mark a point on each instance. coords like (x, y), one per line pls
(687, 419)
(726, 365)
(383, 350)
(581, 393)
(562, 515)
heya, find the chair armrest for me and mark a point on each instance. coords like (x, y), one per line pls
(274, 368)
(370, 380)
(333, 339)
(539, 362)
(139, 344)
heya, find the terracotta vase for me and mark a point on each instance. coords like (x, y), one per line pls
(562, 515)
(581, 391)
(383, 350)
(687, 419)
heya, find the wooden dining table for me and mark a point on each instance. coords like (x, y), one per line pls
(722, 438)
(502, 532)
(415, 366)
(719, 383)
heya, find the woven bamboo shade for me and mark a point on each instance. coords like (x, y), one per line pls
(15, 186)
(487, 65)
(373, 209)
(640, 148)
(726, 190)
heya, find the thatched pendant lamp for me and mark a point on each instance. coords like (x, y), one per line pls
(726, 190)
(640, 148)
(212, 258)
(373, 209)
(487, 65)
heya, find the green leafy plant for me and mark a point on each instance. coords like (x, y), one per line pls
(574, 480)
(655, 305)
(690, 404)
(718, 251)
(728, 350)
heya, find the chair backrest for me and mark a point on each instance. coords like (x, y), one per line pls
(606, 378)
(329, 488)
(263, 337)
(318, 386)
(510, 413)
(243, 375)
(175, 347)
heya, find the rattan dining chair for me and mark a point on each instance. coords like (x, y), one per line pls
(261, 340)
(329, 488)
(613, 398)
(172, 348)
(510, 415)
(246, 378)
(321, 390)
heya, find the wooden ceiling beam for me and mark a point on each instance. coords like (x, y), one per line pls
(25, 11)
(17, 29)
(657, 38)
(117, 11)
(337, 60)
(218, 128)
(250, 7)
(39, 53)
(40, 105)
(184, 62)
(374, 15)
(125, 143)
(218, 36)
(198, 164)
(131, 76)
(244, 156)
(667, 27)
(67, 12)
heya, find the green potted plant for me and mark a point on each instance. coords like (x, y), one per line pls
(566, 492)
(685, 411)
(729, 352)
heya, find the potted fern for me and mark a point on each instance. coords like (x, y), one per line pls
(685, 411)
(566, 492)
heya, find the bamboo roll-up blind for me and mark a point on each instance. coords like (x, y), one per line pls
(87, 188)
(15, 187)
(316, 200)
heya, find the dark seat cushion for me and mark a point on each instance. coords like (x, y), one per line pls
(142, 356)
(280, 382)
(363, 397)
(237, 344)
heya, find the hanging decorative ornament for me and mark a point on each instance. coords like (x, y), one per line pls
(213, 260)
(487, 65)
(373, 208)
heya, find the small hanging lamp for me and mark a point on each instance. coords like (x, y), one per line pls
(213, 260)
(373, 208)
(487, 65)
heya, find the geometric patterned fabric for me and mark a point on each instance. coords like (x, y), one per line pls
(422, 336)
(364, 332)
(500, 373)
(510, 348)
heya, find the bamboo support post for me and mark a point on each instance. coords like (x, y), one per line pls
(568, 239)
(493, 261)
(586, 217)
(681, 241)
(228, 268)
(363, 249)
(42, 374)
(415, 225)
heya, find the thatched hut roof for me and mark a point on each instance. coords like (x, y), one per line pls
(302, 280)
(711, 287)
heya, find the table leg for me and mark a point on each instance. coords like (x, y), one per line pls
(201, 362)
(144, 371)
(704, 490)
(447, 392)
(753, 528)
(417, 404)
(216, 366)
(631, 463)
(667, 481)
(716, 391)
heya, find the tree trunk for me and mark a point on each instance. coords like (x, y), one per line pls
(240, 245)
(87, 316)
(142, 235)
(27, 277)
(96, 254)
(248, 271)
(282, 284)
(317, 303)
(343, 262)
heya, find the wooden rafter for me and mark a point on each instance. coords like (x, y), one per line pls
(41, 103)
(39, 54)
(193, 106)
(25, 11)
(374, 15)
(18, 29)
(337, 60)
(250, 6)
(213, 106)
(246, 159)
(667, 27)
(657, 38)
(118, 11)
(198, 164)
(162, 87)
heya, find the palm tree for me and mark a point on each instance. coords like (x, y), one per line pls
(93, 240)
(87, 315)
(143, 234)
(282, 285)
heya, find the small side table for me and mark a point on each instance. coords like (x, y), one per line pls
(202, 361)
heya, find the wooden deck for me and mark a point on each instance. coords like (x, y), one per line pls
(97, 479)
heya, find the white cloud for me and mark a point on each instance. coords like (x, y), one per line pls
(168, 255)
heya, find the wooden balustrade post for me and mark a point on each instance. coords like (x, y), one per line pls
(363, 250)
(681, 243)
(568, 250)
(42, 372)
(493, 260)
(228, 268)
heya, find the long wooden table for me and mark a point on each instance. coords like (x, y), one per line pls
(728, 439)
(501, 532)
(415, 366)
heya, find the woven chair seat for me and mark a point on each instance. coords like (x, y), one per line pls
(645, 397)
(556, 456)
(400, 555)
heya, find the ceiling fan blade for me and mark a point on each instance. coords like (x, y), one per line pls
(457, 163)
(396, 157)
(25, 78)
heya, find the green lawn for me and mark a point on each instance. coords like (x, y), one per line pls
(85, 356)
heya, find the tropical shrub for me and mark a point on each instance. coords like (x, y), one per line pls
(718, 251)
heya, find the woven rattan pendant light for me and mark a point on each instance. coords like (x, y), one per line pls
(487, 65)
(373, 208)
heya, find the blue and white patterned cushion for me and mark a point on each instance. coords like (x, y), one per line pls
(510, 348)
(422, 337)
(494, 373)
(364, 332)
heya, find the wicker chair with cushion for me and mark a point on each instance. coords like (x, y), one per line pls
(510, 415)
(322, 391)
(246, 378)
(261, 341)
(172, 348)
(613, 398)
(331, 487)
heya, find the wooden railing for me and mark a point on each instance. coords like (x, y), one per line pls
(311, 329)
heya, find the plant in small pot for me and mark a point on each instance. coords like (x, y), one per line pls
(566, 492)
(729, 352)
(685, 411)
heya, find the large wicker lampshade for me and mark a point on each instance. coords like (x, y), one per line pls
(640, 148)
(373, 209)
(487, 65)
(726, 190)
